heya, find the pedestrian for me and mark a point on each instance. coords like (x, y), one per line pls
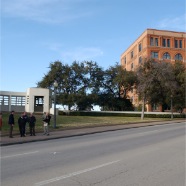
(21, 123)
(46, 123)
(1, 120)
(32, 121)
(26, 121)
(11, 123)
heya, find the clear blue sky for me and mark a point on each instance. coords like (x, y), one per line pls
(35, 33)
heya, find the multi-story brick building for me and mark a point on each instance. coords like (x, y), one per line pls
(158, 44)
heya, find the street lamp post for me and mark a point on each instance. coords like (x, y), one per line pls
(55, 87)
(171, 108)
(143, 108)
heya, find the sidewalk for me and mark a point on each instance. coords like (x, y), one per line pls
(5, 140)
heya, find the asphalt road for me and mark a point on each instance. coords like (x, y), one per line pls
(147, 156)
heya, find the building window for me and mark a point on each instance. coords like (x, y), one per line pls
(166, 55)
(18, 100)
(178, 57)
(125, 60)
(39, 100)
(168, 42)
(4, 100)
(154, 55)
(132, 66)
(151, 41)
(175, 43)
(140, 60)
(180, 43)
(140, 47)
(132, 54)
(164, 42)
(156, 41)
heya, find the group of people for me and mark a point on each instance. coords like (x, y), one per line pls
(23, 120)
(31, 120)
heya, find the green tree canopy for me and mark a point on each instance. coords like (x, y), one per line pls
(84, 84)
(156, 81)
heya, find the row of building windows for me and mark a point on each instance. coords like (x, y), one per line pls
(15, 100)
(155, 42)
(155, 55)
(166, 55)
(178, 43)
(139, 49)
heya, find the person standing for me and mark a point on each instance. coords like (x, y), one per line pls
(11, 123)
(26, 121)
(46, 123)
(32, 121)
(21, 123)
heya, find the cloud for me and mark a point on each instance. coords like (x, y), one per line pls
(81, 54)
(56, 47)
(74, 54)
(48, 11)
(173, 23)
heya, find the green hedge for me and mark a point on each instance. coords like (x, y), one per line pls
(81, 113)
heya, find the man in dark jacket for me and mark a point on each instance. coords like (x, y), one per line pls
(22, 122)
(11, 123)
(26, 121)
(32, 121)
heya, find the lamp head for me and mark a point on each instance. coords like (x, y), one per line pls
(55, 84)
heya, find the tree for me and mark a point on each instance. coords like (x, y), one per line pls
(155, 80)
(178, 94)
(54, 73)
(85, 84)
(126, 81)
(117, 82)
(95, 77)
(74, 82)
(67, 82)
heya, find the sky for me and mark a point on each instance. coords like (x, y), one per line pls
(35, 33)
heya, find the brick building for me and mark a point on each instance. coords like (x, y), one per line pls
(157, 44)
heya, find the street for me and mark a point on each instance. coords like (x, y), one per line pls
(146, 156)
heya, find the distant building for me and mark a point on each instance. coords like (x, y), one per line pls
(36, 100)
(157, 44)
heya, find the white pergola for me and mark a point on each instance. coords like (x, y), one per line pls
(33, 100)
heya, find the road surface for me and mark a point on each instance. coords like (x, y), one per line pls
(147, 156)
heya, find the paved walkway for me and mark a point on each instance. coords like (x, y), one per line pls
(5, 140)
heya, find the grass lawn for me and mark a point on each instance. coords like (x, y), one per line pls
(67, 122)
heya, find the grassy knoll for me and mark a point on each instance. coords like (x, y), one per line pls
(67, 122)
